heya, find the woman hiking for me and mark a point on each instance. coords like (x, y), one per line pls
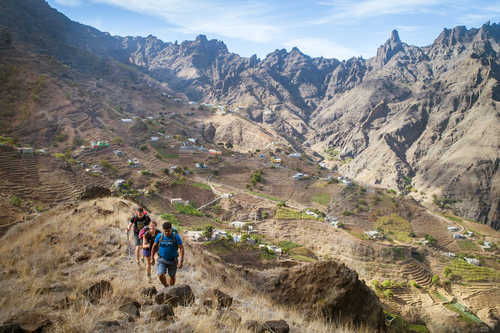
(148, 238)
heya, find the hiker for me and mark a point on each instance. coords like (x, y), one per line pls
(148, 235)
(138, 221)
(167, 243)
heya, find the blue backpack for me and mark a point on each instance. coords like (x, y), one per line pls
(162, 243)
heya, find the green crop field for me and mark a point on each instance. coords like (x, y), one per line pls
(467, 245)
(394, 226)
(201, 185)
(470, 272)
(321, 198)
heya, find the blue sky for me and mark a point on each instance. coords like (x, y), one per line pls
(330, 28)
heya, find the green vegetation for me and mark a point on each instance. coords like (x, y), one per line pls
(66, 156)
(414, 284)
(302, 258)
(467, 245)
(172, 219)
(394, 226)
(321, 198)
(391, 191)
(388, 293)
(106, 165)
(347, 213)
(208, 231)
(61, 136)
(286, 246)
(256, 177)
(15, 201)
(144, 148)
(284, 213)
(264, 195)
(5, 140)
(443, 203)
(464, 314)
(418, 328)
(453, 218)
(187, 210)
(203, 186)
(146, 173)
(435, 279)
(387, 284)
(460, 269)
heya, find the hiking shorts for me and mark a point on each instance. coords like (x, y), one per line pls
(167, 265)
(138, 240)
(146, 252)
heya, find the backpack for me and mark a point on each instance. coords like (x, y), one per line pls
(139, 224)
(143, 231)
(174, 237)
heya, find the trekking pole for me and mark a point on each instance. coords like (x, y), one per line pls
(128, 245)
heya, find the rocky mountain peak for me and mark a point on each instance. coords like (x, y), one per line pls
(392, 46)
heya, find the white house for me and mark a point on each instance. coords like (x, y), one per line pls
(155, 138)
(192, 140)
(472, 261)
(453, 229)
(127, 120)
(118, 153)
(218, 234)
(295, 155)
(458, 235)
(373, 234)
(175, 201)
(298, 176)
(311, 213)
(194, 235)
(238, 224)
(450, 254)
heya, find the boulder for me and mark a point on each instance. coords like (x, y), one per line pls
(162, 312)
(276, 326)
(106, 326)
(131, 308)
(216, 299)
(254, 326)
(12, 328)
(97, 291)
(175, 295)
(333, 290)
(29, 322)
(148, 291)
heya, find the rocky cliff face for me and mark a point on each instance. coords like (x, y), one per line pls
(410, 117)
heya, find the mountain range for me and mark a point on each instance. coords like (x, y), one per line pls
(422, 120)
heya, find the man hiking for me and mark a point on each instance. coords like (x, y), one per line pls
(167, 243)
(148, 235)
(138, 221)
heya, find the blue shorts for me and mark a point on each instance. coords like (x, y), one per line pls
(167, 265)
(146, 252)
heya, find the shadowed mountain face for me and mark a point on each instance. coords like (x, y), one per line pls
(412, 118)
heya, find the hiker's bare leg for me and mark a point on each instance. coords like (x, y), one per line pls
(163, 280)
(148, 266)
(171, 280)
(137, 252)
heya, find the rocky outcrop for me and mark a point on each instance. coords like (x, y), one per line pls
(329, 289)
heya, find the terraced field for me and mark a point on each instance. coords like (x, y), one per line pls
(469, 272)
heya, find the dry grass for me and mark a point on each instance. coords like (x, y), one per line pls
(44, 253)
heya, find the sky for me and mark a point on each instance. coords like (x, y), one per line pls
(329, 28)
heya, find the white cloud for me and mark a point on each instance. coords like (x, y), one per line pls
(247, 21)
(321, 47)
(68, 3)
(354, 10)
(407, 28)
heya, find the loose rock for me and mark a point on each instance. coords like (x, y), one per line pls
(175, 295)
(254, 326)
(216, 299)
(97, 291)
(106, 326)
(276, 326)
(149, 291)
(162, 312)
(131, 308)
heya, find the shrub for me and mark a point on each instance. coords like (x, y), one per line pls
(208, 231)
(435, 279)
(388, 293)
(387, 284)
(187, 210)
(347, 213)
(430, 239)
(15, 201)
(256, 177)
(376, 284)
(166, 171)
(144, 148)
(447, 271)
(146, 173)
(414, 284)
(281, 203)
